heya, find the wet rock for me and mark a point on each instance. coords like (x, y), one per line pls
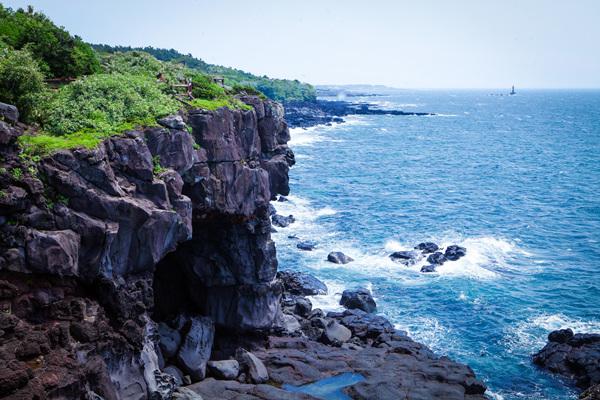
(436, 258)
(362, 324)
(300, 283)
(428, 268)
(406, 257)
(455, 252)
(575, 356)
(593, 393)
(560, 336)
(337, 257)
(427, 247)
(272, 210)
(335, 334)
(303, 307)
(306, 245)
(282, 199)
(196, 347)
(252, 366)
(358, 299)
(281, 221)
(225, 369)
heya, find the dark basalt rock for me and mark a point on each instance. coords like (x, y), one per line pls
(195, 348)
(300, 283)
(306, 245)
(406, 257)
(427, 247)
(428, 268)
(281, 221)
(436, 258)
(575, 356)
(9, 112)
(173, 122)
(337, 257)
(358, 298)
(455, 252)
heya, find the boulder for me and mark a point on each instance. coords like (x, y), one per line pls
(281, 221)
(427, 247)
(337, 257)
(593, 393)
(358, 299)
(289, 324)
(335, 333)
(9, 113)
(560, 336)
(195, 349)
(225, 369)
(252, 366)
(172, 121)
(406, 257)
(428, 268)
(454, 252)
(175, 373)
(300, 283)
(306, 245)
(169, 341)
(303, 306)
(436, 258)
(183, 393)
(53, 252)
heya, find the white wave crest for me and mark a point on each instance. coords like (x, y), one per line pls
(530, 335)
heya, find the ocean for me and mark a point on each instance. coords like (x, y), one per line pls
(514, 179)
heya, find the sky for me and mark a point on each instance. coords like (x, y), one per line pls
(401, 43)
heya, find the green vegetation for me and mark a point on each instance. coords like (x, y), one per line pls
(17, 173)
(116, 90)
(103, 103)
(229, 102)
(58, 53)
(157, 168)
(21, 81)
(276, 89)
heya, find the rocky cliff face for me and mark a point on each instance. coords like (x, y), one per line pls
(162, 224)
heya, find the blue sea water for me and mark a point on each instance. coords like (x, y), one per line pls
(514, 179)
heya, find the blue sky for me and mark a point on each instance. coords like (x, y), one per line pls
(413, 44)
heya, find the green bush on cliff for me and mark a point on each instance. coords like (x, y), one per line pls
(203, 87)
(227, 102)
(247, 89)
(104, 102)
(59, 53)
(21, 82)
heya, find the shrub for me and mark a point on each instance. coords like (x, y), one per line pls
(247, 89)
(227, 102)
(21, 81)
(104, 102)
(203, 87)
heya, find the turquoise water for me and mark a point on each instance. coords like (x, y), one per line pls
(514, 179)
(328, 388)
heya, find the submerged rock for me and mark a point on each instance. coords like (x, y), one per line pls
(281, 221)
(337, 257)
(306, 245)
(301, 283)
(358, 298)
(427, 247)
(428, 268)
(455, 252)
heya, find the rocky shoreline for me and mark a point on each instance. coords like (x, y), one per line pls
(144, 269)
(304, 114)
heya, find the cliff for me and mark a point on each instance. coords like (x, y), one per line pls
(153, 223)
(125, 268)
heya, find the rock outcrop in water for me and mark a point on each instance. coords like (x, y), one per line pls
(121, 280)
(575, 356)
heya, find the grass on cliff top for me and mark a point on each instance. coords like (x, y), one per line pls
(227, 102)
